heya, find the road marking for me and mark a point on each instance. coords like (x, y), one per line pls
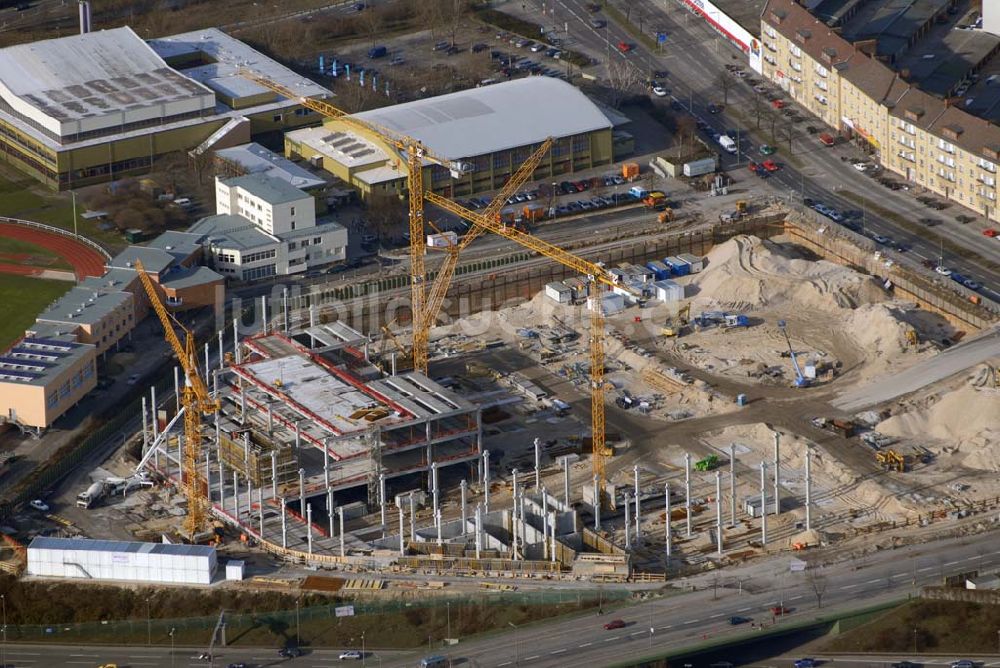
(84, 656)
(716, 615)
(664, 628)
(849, 586)
(586, 644)
(950, 563)
(795, 598)
(531, 658)
(868, 582)
(558, 651)
(692, 621)
(610, 639)
(742, 609)
(925, 568)
(638, 633)
(505, 663)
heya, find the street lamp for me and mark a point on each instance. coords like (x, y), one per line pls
(172, 629)
(517, 659)
(149, 628)
(363, 660)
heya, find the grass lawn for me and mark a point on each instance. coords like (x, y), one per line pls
(22, 298)
(46, 258)
(938, 626)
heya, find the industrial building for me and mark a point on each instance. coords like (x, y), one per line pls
(494, 128)
(96, 106)
(120, 560)
(895, 91)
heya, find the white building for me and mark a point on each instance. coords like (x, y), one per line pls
(264, 226)
(120, 560)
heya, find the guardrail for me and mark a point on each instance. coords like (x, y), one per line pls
(57, 230)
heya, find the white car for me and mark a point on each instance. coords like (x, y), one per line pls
(944, 271)
(40, 505)
(659, 91)
(861, 167)
(351, 654)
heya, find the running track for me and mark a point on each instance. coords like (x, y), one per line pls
(85, 260)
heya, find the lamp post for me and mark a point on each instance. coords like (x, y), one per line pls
(363, 660)
(517, 659)
(149, 627)
(172, 629)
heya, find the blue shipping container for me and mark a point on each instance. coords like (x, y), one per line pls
(660, 270)
(678, 267)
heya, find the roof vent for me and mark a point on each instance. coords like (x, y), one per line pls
(169, 248)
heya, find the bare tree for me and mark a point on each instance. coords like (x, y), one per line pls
(686, 131)
(788, 130)
(623, 80)
(773, 117)
(725, 84)
(371, 19)
(758, 105)
(385, 215)
(817, 582)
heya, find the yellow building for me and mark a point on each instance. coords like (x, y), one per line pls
(93, 107)
(493, 128)
(929, 141)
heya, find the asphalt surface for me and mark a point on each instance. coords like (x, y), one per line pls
(694, 56)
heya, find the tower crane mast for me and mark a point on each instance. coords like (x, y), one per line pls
(196, 401)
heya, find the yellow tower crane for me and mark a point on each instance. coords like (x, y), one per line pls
(415, 154)
(597, 275)
(446, 271)
(196, 401)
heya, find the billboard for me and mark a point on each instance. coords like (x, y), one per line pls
(730, 29)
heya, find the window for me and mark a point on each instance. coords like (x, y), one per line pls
(52, 400)
(946, 146)
(259, 272)
(276, 118)
(820, 70)
(257, 257)
(293, 224)
(293, 211)
(987, 165)
(796, 51)
(317, 241)
(821, 85)
(795, 66)
(292, 246)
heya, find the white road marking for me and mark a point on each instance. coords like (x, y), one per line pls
(692, 621)
(925, 568)
(849, 586)
(610, 639)
(531, 658)
(638, 633)
(795, 598)
(664, 628)
(505, 663)
(742, 609)
(868, 582)
(950, 563)
(558, 651)
(586, 644)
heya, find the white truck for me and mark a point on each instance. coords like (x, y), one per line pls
(91, 496)
(727, 143)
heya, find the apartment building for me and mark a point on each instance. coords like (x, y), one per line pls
(928, 140)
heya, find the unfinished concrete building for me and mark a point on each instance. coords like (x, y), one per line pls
(307, 417)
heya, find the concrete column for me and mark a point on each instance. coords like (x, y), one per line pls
(274, 474)
(486, 480)
(208, 478)
(628, 524)
(434, 490)
(413, 520)
(718, 512)
(732, 485)
(638, 510)
(552, 548)
(156, 412)
(236, 340)
(270, 419)
(463, 488)
(523, 521)
(263, 310)
(302, 490)
(666, 517)
(514, 520)
(236, 494)
(206, 363)
(284, 308)
(177, 388)
(437, 522)
(329, 508)
(565, 463)
(222, 484)
(284, 524)
(479, 529)
(687, 491)
(777, 474)
(312, 316)
(326, 465)
(145, 425)
(538, 464)
(309, 526)
(513, 475)
(763, 503)
(545, 523)
(246, 447)
(260, 510)
(243, 403)
(180, 458)
(298, 436)
(340, 516)
(597, 504)
(381, 501)
(402, 536)
(249, 500)
(808, 488)
(222, 351)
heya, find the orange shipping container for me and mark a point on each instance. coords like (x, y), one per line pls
(630, 170)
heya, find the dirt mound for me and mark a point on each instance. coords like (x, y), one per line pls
(749, 273)
(879, 328)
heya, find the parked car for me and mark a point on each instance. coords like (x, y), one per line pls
(861, 166)
(990, 232)
(767, 149)
(614, 624)
(779, 610)
(290, 652)
(714, 108)
(943, 270)
(624, 46)
(879, 239)
(805, 663)
(906, 664)
(659, 91)
(770, 165)
(778, 104)
(39, 505)
(351, 654)
(736, 620)
(963, 663)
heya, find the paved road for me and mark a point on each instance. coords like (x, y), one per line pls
(695, 56)
(939, 367)
(872, 661)
(747, 591)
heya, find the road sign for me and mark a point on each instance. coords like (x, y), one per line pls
(344, 611)
(661, 37)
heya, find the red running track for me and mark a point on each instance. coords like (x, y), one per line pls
(85, 260)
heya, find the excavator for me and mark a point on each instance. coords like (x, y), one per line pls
(673, 330)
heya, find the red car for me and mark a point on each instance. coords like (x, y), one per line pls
(770, 165)
(779, 610)
(581, 186)
(778, 104)
(614, 624)
(752, 166)
(624, 47)
(991, 233)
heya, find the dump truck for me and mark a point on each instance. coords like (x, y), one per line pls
(656, 199)
(666, 215)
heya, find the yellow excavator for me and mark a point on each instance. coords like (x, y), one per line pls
(675, 327)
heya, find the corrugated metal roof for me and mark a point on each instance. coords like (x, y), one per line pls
(270, 189)
(90, 545)
(494, 118)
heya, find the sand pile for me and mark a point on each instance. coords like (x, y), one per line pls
(748, 273)
(879, 328)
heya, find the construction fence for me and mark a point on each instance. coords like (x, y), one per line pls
(158, 631)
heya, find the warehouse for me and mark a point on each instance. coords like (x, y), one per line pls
(121, 560)
(494, 128)
(92, 107)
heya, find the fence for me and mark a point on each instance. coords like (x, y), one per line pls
(57, 230)
(141, 631)
(985, 596)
